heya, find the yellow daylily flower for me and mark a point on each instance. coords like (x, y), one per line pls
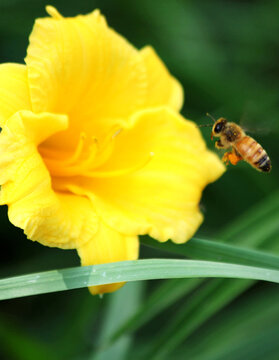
(93, 149)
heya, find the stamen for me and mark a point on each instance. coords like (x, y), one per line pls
(88, 156)
(105, 151)
(114, 173)
(73, 168)
(80, 146)
(103, 154)
(93, 148)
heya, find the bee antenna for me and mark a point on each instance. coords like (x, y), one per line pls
(206, 125)
(211, 117)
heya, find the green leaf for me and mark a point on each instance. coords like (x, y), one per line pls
(248, 330)
(18, 343)
(255, 224)
(128, 298)
(164, 296)
(212, 250)
(73, 278)
(204, 302)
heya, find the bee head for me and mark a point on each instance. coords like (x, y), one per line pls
(218, 127)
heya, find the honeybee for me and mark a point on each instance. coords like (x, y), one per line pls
(243, 147)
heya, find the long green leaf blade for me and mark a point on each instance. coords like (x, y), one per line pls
(73, 278)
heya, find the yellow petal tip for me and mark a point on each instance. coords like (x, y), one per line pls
(53, 12)
(104, 289)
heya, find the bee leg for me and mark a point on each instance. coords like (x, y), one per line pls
(232, 157)
(225, 158)
(218, 144)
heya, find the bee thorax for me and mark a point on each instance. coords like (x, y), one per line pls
(231, 134)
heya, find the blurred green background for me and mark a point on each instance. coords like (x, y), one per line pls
(226, 55)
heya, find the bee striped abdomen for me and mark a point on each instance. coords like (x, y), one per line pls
(253, 153)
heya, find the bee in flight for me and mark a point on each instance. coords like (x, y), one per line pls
(243, 147)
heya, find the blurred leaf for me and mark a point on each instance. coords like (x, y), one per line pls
(122, 305)
(214, 251)
(249, 330)
(203, 303)
(20, 345)
(254, 225)
(80, 317)
(161, 298)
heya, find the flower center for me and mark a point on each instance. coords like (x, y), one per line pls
(88, 156)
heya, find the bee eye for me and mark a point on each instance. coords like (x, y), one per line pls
(218, 128)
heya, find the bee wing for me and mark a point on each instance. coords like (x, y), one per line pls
(258, 119)
(254, 126)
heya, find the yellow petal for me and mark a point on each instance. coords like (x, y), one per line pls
(81, 67)
(163, 89)
(108, 246)
(53, 219)
(14, 92)
(162, 198)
